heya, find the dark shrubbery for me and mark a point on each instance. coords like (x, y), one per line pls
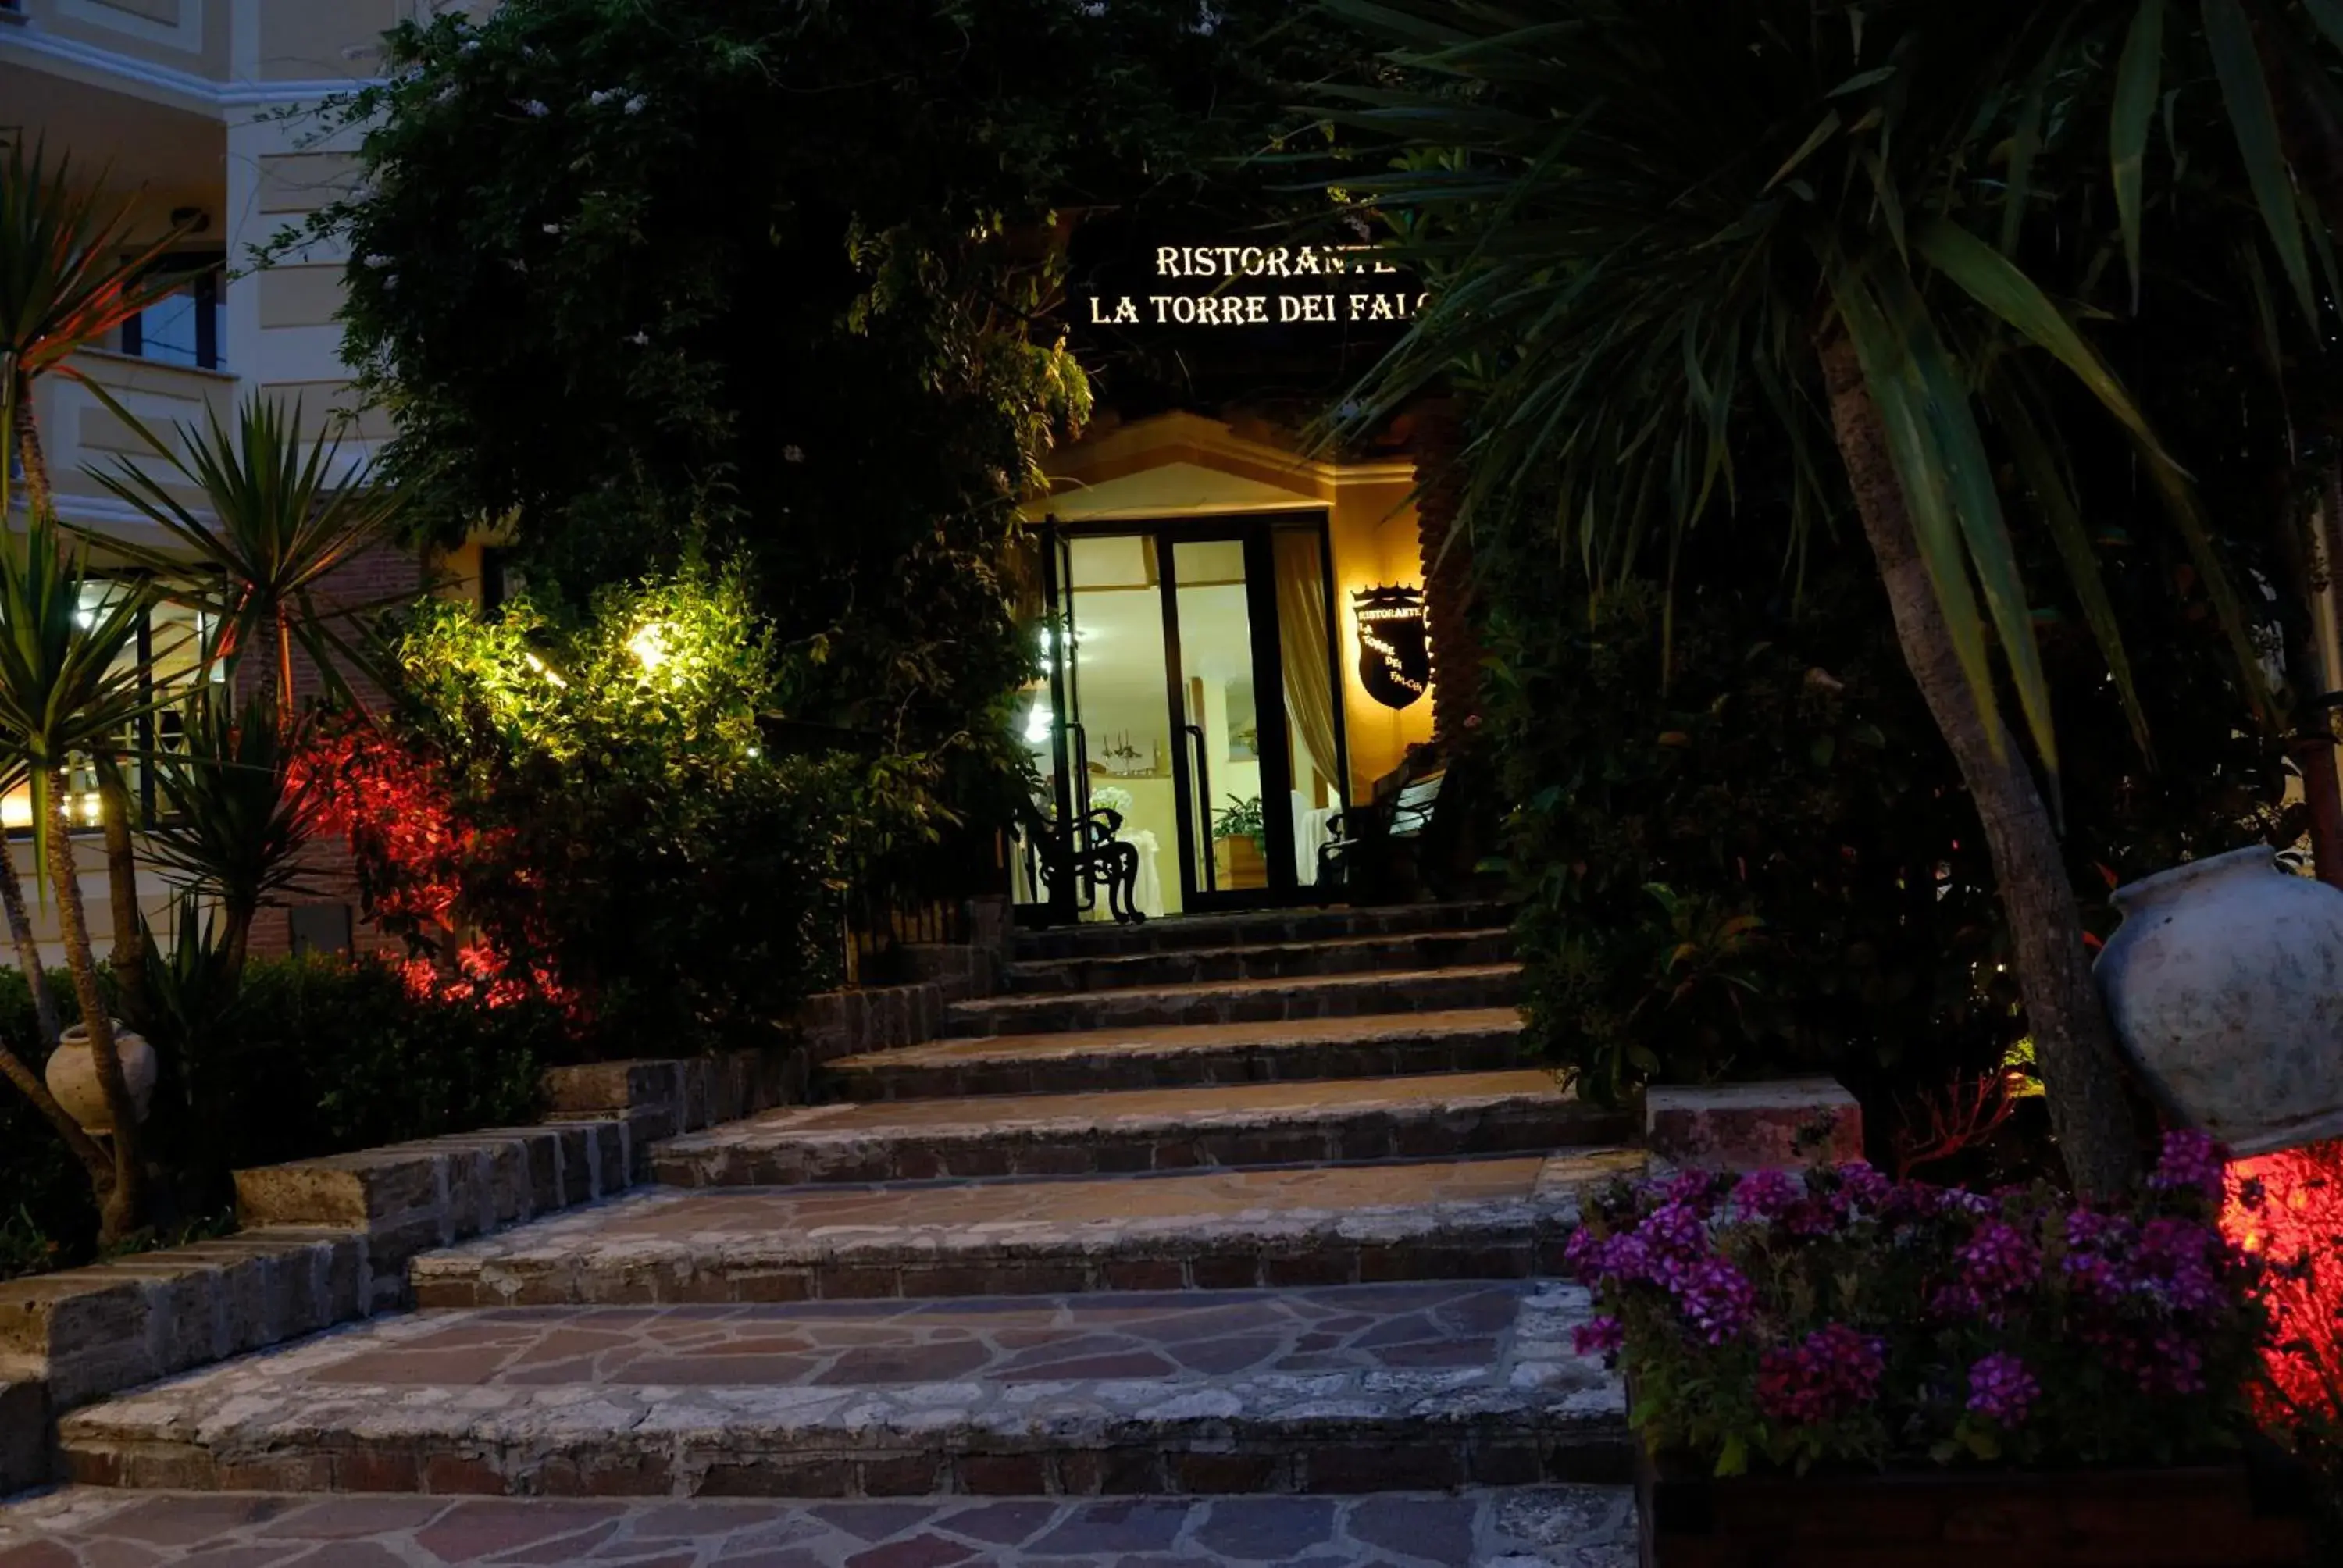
(1743, 849)
(1758, 867)
(315, 1056)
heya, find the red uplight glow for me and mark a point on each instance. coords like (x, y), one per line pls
(2288, 1209)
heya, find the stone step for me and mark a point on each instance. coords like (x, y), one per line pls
(1274, 961)
(1242, 1001)
(1441, 1116)
(1344, 1389)
(1304, 925)
(1480, 1527)
(1500, 1218)
(1467, 1039)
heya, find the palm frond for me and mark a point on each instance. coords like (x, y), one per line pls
(279, 519)
(69, 272)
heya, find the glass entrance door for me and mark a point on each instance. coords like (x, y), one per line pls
(1194, 696)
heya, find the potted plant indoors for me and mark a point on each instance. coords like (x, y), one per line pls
(1241, 841)
(1840, 1368)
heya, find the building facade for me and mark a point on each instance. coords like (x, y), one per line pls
(189, 115)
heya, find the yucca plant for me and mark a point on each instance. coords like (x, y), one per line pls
(233, 820)
(69, 274)
(1657, 230)
(68, 690)
(282, 519)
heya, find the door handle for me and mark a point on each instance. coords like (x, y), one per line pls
(1195, 732)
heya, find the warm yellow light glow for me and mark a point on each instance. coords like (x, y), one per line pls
(16, 808)
(649, 645)
(547, 671)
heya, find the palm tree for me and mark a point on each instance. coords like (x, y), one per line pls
(69, 275)
(67, 691)
(235, 819)
(1657, 224)
(282, 521)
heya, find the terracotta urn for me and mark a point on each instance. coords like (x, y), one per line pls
(72, 1076)
(2225, 982)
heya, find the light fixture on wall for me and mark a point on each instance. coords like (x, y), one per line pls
(1395, 644)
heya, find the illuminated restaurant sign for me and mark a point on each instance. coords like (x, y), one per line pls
(1261, 286)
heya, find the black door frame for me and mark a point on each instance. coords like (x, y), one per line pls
(1255, 532)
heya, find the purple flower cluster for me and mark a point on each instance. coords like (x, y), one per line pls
(2010, 1293)
(2151, 1291)
(2001, 1387)
(1766, 1194)
(1598, 1337)
(1999, 1262)
(1864, 1186)
(1673, 1248)
(2190, 1162)
(1716, 1299)
(1835, 1370)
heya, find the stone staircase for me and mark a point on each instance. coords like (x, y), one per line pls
(1216, 1240)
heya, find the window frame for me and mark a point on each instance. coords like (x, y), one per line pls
(206, 271)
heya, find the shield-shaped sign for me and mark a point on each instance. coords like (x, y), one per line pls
(1394, 651)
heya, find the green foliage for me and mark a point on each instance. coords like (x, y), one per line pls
(67, 686)
(1644, 220)
(1737, 872)
(622, 833)
(308, 1057)
(1742, 848)
(46, 1216)
(233, 819)
(69, 273)
(275, 522)
(828, 350)
(317, 1055)
(1241, 819)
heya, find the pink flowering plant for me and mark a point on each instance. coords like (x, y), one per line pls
(1838, 1317)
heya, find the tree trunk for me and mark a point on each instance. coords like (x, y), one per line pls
(2081, 1074)
(284, 666)
(129, 955)
(119, 1215)
(28, 448)
(2307, 574)
(236, 946)
(28, 950)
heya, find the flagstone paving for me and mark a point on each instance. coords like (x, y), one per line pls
(1228, 1241)
(1537, 1527)
(1462, 1040)
(1353, 1388)
(1222, 1229)
(1144, 1130)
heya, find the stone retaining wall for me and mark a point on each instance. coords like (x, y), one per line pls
(329, 1241)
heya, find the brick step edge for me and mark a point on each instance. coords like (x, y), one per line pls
(1143, 1067)
(1516, 1245)
(1092, 974)
(1304, 997)
(1395, 1453)
(1275, 927)
(1431, 1130)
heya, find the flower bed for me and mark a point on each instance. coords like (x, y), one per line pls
(1858, 1331)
